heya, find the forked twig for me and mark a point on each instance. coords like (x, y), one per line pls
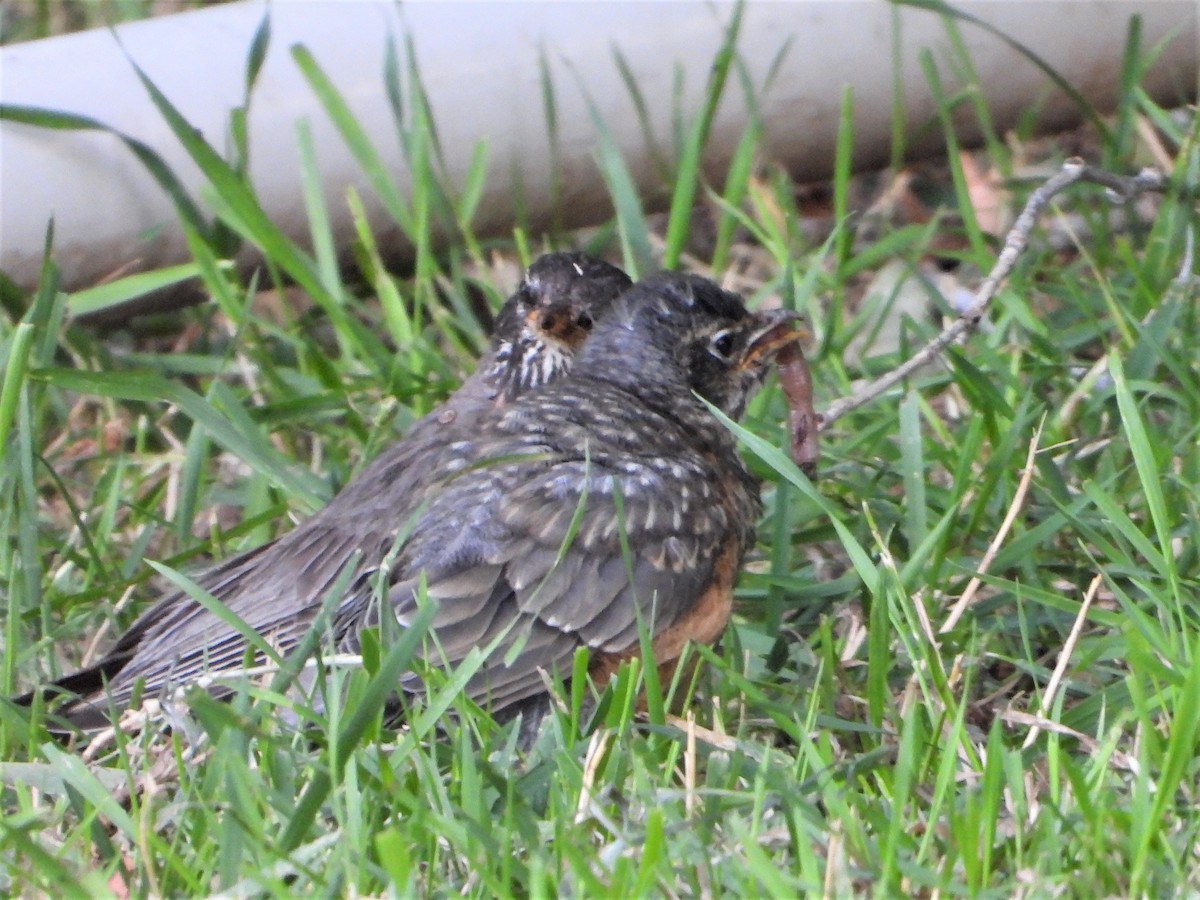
(1122, 188)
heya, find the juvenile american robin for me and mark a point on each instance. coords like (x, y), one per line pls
(610, 497)
(540, 327)
(278, 587)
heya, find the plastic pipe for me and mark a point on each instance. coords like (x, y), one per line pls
(482, 67)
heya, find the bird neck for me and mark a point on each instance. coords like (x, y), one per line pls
(515, 367)
(619, 356)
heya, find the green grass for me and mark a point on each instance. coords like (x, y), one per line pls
(843, 739)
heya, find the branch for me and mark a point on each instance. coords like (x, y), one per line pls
(1121, 188)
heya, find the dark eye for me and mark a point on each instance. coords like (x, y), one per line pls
(721, 345)
(529, 296)
(585, 321)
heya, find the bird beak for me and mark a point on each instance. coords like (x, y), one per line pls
(559, 321)
(778, 328)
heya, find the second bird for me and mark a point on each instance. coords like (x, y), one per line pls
(278, 588)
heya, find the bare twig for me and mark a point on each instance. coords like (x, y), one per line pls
(1121, 188)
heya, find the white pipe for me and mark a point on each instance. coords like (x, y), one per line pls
(480, 65)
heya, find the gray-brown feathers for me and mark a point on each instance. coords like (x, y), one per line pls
(558, 518)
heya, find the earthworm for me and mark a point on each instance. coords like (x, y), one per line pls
(803, 421)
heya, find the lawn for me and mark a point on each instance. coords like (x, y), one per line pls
(965, 657)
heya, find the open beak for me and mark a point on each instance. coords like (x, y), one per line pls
(779, 328)
(561, 321)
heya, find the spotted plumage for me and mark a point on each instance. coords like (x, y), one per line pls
(277, 589)
(521, 542)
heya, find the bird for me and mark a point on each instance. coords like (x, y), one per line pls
(537, 332)
(540, 327)
(610, 498)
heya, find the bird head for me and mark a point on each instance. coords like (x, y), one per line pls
(727, 362)
(542, 326)
(676, 333)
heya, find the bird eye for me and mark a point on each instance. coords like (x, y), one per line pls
(585, 321)
(528, 294)
(721, 345)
